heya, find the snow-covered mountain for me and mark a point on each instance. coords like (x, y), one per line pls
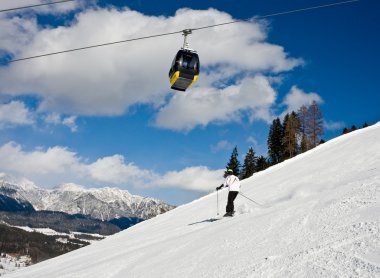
(320, 218)
(102, 203)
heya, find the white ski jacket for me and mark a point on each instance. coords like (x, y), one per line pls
(232, 182)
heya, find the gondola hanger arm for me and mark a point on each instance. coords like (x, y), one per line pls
(185, 33)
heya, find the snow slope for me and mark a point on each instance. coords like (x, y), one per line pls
(321, 219)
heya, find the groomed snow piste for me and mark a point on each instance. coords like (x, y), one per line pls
(321, 219)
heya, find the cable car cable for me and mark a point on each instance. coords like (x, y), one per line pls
(36, 5)
(93, 46)
(178, 32)
(278, 14)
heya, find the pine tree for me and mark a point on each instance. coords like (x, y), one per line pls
(365, 125)
(261, 163)
(314, 124)
(291, 135)
(234, 163)
(275, 142)
(249, 166)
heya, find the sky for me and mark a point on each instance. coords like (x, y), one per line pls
(107, 116)
(304, 226)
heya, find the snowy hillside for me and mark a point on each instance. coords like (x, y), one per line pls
(321, 219)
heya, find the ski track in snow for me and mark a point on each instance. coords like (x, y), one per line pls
(343, 240)
(321, 218)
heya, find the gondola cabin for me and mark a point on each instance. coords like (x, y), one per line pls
(184, 70)
(185, 67)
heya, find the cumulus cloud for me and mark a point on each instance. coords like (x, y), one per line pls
(252, 96)
(46, 9)
(56, 165)
(332, 125)
(192, 178)
(15, 33)
(222, 146)
(115, 170)
(252, 140)
(109, 80)
(70, 122)
(297, 97)
(15, 113)
(57, 119)
(38, 162)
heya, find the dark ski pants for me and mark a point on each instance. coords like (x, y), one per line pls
(230, 203)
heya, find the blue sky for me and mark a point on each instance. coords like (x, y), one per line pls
(107, 116)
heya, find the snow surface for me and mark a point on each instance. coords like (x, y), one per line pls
(45, 231)
(51, 232)
(9, 263)
(321, 218)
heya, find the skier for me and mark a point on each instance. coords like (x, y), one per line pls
(233, 184)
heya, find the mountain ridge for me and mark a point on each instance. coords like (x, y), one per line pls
(101, 203)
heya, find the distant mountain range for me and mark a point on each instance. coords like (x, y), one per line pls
(100, 203)
(71, 215)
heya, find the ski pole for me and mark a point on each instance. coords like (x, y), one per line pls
(251, 199)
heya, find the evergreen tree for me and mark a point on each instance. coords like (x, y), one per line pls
(314, 124)
(234, 163)
(275, 142)
(365, 125)
(291, 134)
(354, 128)
(345, 130)
(261, 163)
(249, 166)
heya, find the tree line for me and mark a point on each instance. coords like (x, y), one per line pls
(353, 128)
(38, 246)
(298, 132)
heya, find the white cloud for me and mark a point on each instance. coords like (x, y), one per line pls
(53, 118)
(47, 9)
(109, 80)
(201, 106)
(38, 162)
(70, 122)
(57, 119)
(252, 140)
(331, 125)
(56, 165)
(192, 178)
(113, 169)
(16, 33)
(222, 146)
(297, 97)
(15, 113)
